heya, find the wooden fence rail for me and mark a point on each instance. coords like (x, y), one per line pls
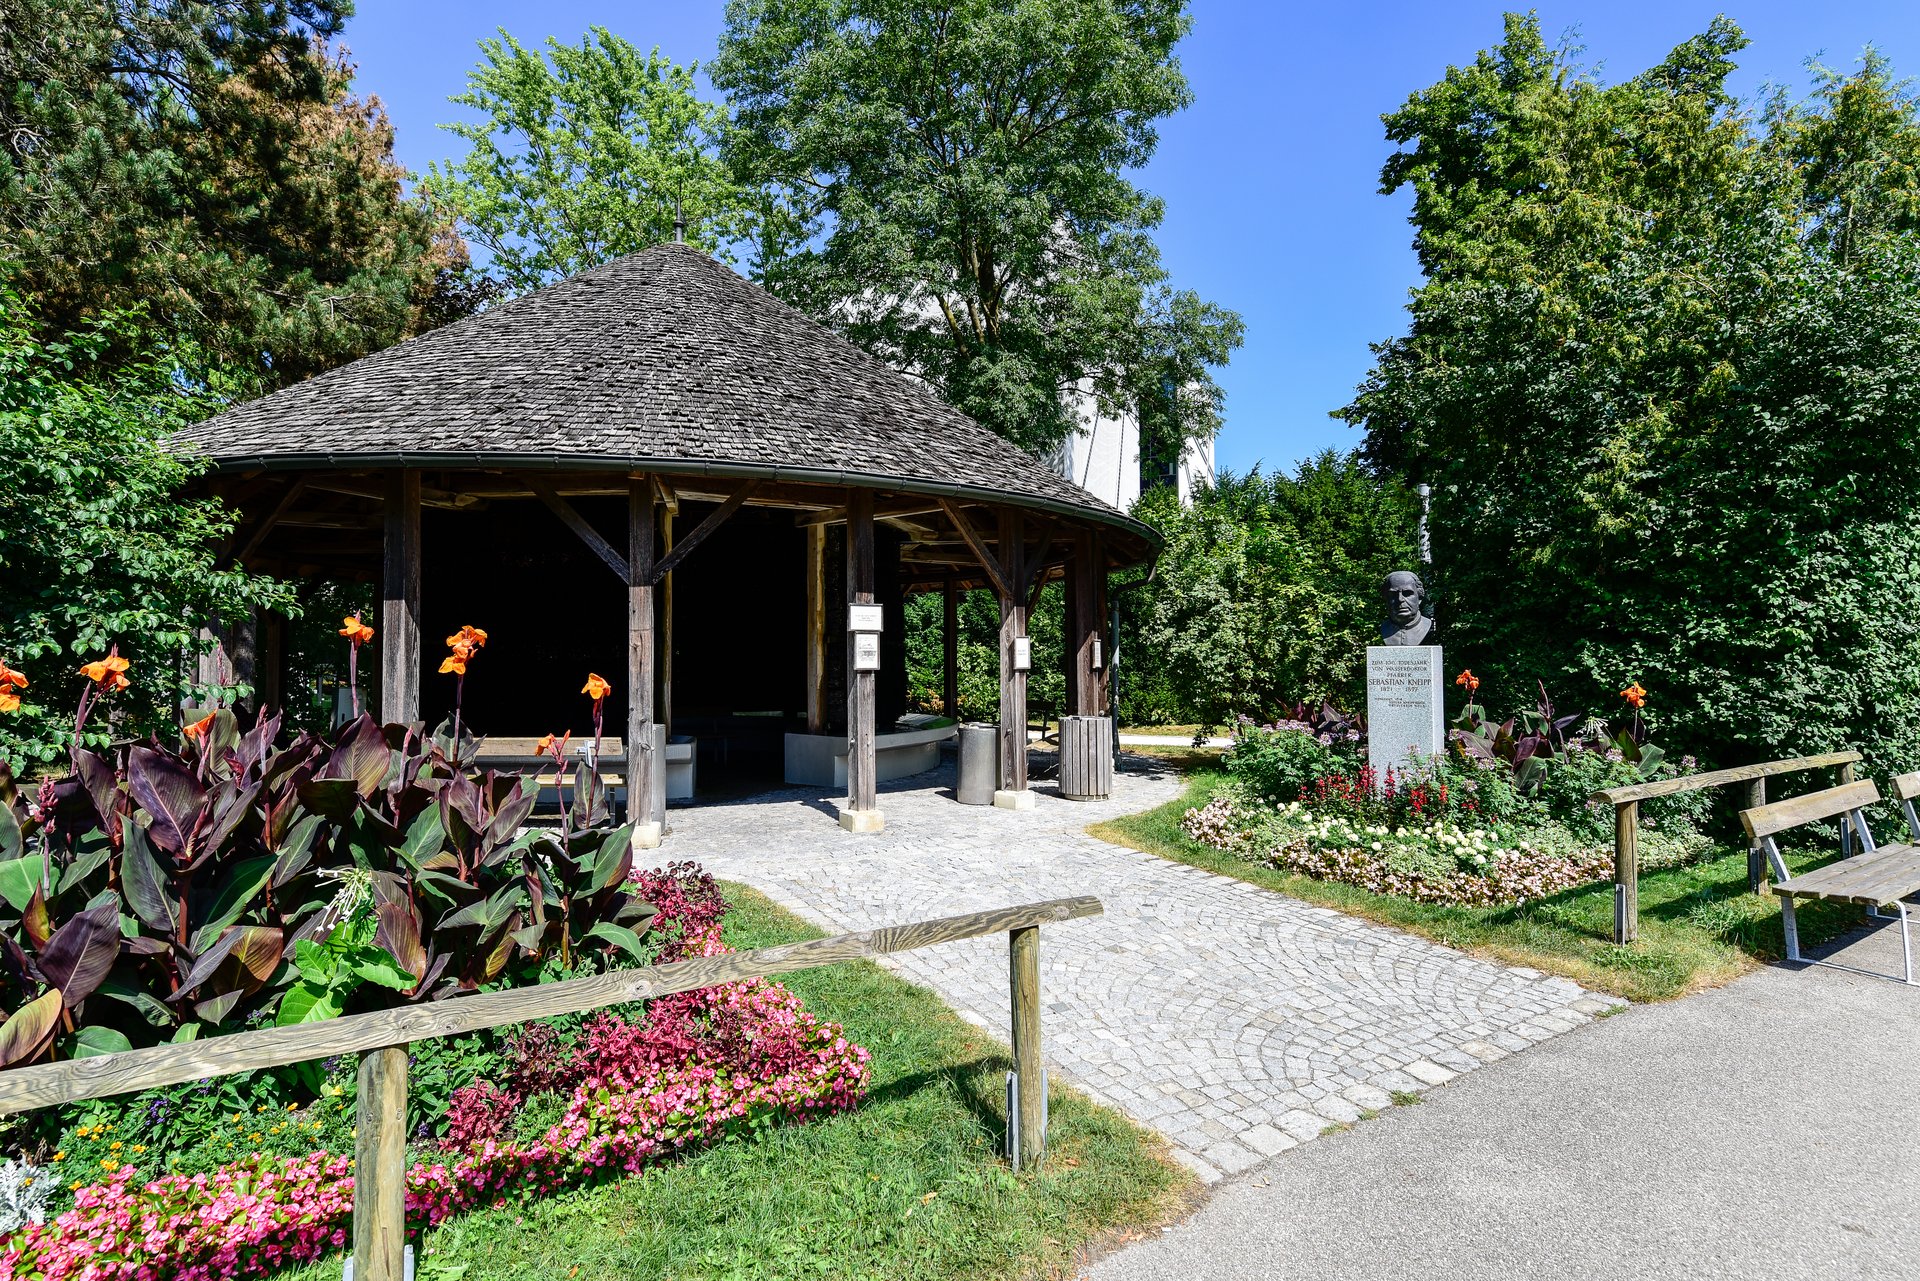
(1626, 823)
(382, 1038)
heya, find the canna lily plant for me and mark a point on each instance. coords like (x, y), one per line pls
(161, 894)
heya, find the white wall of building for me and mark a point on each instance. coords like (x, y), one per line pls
(1103, 457)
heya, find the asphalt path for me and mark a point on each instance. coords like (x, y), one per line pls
(1768, 1129)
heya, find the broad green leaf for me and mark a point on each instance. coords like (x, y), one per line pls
(19, 879)
(241, 885)
(620, 936)
(307, 1003)
(95, 1040)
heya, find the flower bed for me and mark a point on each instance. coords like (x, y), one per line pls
(1501, 817)
(701, 1067)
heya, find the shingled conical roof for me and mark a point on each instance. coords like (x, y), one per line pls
(663, 360)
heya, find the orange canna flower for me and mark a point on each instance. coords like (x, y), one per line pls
(9, 701)
(108, 673)
(455, 662)
(355, 630)
(1467, 679)
(596, 686)
(199, 728)
(1635, 696)
(468, 638)
(546, 745)
(10, 677)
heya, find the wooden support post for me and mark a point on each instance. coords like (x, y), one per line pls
(400, 601)
(862, 813)
(1023, 981)
(1013, 793)
(1626, 872)
(1108, 628)
(665, 708)
(1756, 850)
(380, 1167)
(950, 649)
(642, 759)
(270, 691)
(816, 629)
(1083, 691)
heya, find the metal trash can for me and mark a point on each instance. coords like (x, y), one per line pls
(979, 764)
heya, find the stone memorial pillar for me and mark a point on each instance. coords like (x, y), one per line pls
(1406, 709)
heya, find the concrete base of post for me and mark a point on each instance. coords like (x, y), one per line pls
(862, 821)
(1020, 800)
(646, 836)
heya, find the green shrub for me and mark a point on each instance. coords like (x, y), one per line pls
(1278, 763)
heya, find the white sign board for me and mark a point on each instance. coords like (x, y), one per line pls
(1097, 664)
(1022, 653)
(866, 652)
(864, 618)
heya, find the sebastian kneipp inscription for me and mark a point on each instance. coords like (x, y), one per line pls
(1405, 705)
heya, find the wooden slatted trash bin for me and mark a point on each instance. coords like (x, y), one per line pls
(1086, 758)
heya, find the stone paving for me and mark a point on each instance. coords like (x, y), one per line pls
(1234, 1020)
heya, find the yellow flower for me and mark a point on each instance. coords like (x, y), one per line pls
(114, 1146)
(59, 1156)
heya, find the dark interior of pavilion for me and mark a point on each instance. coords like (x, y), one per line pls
(553, 612)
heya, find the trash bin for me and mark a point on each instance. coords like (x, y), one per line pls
(979, 764)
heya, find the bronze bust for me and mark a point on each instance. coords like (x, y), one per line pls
(1406, 622)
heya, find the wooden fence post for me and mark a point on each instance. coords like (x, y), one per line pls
(380, 1167)
(1023, 979)
(1626, 872)
(1756, 852)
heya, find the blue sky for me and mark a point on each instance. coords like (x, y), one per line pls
(1270, 179)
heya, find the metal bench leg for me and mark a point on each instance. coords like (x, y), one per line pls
(1906, 941)
(1792, 926)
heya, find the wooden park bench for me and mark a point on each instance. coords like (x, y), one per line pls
(1875, 876)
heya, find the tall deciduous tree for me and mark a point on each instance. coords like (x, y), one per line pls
(583, 154)
(1664, 375)
(97, 546)
(206, 159)
(952, 175)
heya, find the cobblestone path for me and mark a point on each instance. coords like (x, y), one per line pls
(1234, 1020)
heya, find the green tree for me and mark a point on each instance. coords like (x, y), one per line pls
(98, 547)
(952, 179)
(585, 154)
(207, 161)
(1268, 592)
(1662, 377)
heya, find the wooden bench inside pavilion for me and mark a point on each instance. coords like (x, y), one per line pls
(659, 472)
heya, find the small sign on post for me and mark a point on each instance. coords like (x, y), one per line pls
(866, 652)
(865, 618)
(1022, 653)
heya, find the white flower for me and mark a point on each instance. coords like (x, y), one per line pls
(1376, 847)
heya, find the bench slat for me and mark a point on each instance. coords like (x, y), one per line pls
(1765, 820)
(1906, 787)
(1889, 873)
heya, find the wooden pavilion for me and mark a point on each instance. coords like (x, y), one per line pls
(659, 418)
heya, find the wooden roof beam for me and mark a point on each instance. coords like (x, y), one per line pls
(980, 553)
(578, 524)
(715, 518)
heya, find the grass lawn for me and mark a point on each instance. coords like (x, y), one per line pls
(1698, 925)
(908, 1186)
